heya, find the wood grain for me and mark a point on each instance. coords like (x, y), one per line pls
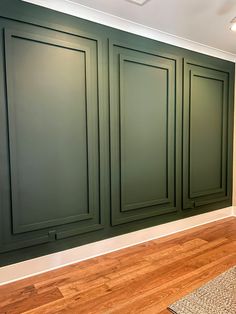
(145, 278)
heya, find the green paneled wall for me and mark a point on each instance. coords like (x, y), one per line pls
(143, 158)
(205, 135)
(104, 132)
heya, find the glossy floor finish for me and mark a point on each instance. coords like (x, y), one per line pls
(141, 279)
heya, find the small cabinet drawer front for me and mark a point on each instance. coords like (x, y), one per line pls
(205, 135)
(142, 111)
(52, 118)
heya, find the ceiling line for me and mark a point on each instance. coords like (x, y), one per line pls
(104, 18)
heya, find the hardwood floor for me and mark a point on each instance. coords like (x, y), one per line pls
(145, 278)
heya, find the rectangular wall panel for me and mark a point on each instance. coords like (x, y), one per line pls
(205, 135)
(142, 134)
(52, 105)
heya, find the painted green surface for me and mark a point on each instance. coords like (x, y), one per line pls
(205, 135)
(52, 120)
(144, 104)
(142, 134)
(206, 111)
(52, 103)
(104, 132)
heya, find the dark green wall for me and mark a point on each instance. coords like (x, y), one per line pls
(103, 132)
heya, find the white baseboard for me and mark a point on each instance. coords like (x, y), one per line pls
(46, 263)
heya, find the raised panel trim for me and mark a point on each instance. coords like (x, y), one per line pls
(7, 247)
(160, 54)
(122, 59)
(154, 211)
(17, 228)
(124, 215)
(197, 199)
(216, 77)
(77, 231)
(133, 206)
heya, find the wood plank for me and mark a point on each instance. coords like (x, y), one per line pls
(145, 278)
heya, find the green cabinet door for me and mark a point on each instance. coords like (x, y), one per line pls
(53, 135)
(205, 136)
(143, 104)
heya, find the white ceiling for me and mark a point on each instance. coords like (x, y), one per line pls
(203, 21)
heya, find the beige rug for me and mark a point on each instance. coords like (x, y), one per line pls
(218, 296)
